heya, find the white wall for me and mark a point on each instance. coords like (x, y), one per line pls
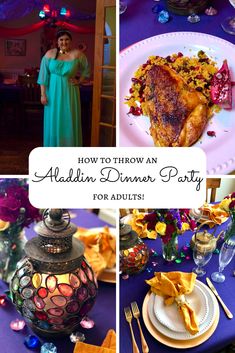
(227, 187)
(108, 215)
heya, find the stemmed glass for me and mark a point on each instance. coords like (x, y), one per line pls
(201, 256)
(225, 256)
(228, 24)
(122, 7)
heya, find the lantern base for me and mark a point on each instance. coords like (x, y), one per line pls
(52, 334)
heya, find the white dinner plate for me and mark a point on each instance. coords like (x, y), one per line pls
(167, 315)
(134, 131)
(212, 305)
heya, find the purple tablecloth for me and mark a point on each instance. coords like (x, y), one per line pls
(139, 22)
(135, 289)
(103, 312)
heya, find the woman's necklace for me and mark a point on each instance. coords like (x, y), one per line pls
(61, 51)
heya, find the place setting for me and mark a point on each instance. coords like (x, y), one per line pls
(176, 282)
(189, 321)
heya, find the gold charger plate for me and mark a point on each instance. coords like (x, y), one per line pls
(183, 344)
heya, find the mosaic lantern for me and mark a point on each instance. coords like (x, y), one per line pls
(54, 287)
(134, 253)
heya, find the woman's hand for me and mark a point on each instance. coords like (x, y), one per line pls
(44, 99)
(74, 81)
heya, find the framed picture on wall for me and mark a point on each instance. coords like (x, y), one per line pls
(15, 47)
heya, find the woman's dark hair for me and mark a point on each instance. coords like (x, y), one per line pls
(63, 32)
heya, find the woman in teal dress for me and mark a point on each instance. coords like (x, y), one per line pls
(60, 93)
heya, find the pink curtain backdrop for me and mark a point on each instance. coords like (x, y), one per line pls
(74, 28)
(13, 32)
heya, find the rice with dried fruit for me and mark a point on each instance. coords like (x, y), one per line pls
(197, 71)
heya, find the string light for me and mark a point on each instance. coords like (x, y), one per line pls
(63, 11)
(46, 8)
(42, 15)
(48, 13)
(68, 13)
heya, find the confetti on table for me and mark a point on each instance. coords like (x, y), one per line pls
(77, 337)
(17, 325)
(87, 323)
(32, 342)
(48, 347)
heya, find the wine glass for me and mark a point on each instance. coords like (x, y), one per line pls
(225, 256)
(201, 256)
(228, 24)
(122, 7)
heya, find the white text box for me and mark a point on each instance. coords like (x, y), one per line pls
(117, 177)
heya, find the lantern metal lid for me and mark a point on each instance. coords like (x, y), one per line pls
(128, 237)
(55, 249)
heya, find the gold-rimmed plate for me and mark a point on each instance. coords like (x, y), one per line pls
(108, 275)
(180, 344)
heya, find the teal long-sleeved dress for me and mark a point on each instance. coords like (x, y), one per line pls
(62, 114)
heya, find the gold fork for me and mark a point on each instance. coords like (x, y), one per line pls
(128, 316)
(136, 314)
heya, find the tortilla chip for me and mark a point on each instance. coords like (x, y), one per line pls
(100, 249)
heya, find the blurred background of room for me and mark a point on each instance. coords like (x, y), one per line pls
(21, 49)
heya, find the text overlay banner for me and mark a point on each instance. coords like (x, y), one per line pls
(117, 177)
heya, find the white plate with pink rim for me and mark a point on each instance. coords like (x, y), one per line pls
(134, 131)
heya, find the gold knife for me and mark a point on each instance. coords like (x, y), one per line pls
(227, 311)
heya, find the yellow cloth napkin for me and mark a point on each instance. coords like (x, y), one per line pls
(214, 214)
(108, 345)
(110, 340)
(173, 286)
(137, 224)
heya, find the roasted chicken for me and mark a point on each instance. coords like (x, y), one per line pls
(178, 113)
